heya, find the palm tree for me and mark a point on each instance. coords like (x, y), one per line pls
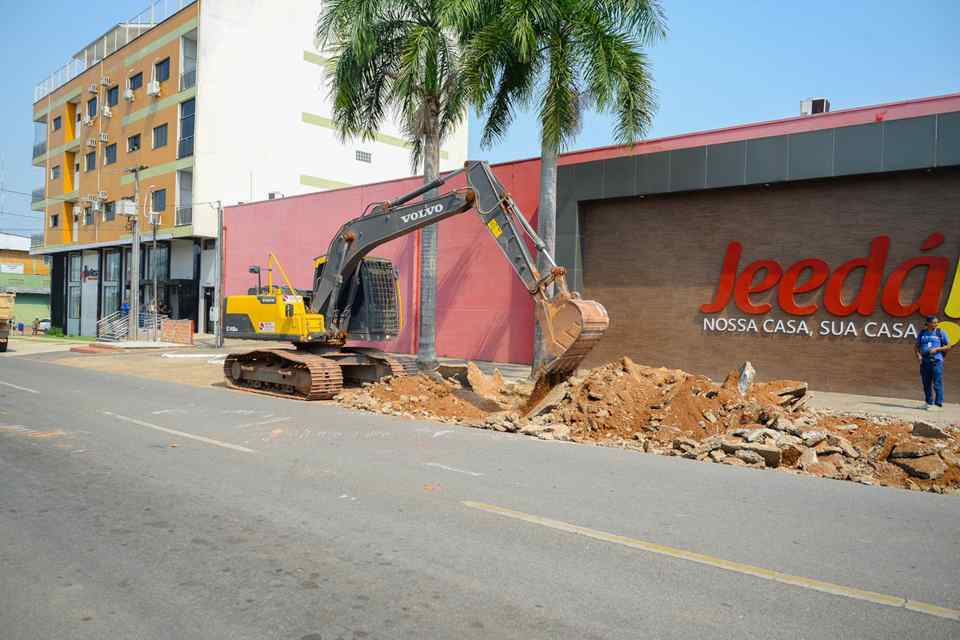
(399, 57)
(562, 56)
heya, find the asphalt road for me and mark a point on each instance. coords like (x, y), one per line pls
(302, 521)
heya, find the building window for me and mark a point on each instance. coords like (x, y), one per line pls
(109, 211)
(91, 161)
(55, 172)
(133, 143)
(57, 123)
(160, 136)
(87, 215)
(54, 220)
(136, 81)
(111, 281)
(163, 260)
(113, 96)
(73, 304)
(92, 107)
(185, 145)
(110, 154)
(162, 70)
(74, 267)
(159, 200)
(364, 156)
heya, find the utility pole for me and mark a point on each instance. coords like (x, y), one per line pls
(218, 292)
(153, 270)
(134, 316)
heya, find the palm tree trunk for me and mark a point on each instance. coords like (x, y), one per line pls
(546, 226)
(427, 343)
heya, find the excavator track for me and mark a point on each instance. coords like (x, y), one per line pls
(284, 373)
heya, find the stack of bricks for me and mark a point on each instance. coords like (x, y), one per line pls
(177, 331)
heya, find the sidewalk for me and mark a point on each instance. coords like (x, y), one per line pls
(878, 405)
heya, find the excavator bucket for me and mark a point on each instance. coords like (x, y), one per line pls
(570, 327)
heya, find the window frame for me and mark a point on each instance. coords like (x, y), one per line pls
(92, 104)
(166, 135)
(87, 216)
(162, 194)
(55, 172)
(106, 154)
(130, 140)
(113, 96)
(90, 161)
(54, 220)
(165, 66)
(57, 123)
(109, 211)
(139, 77)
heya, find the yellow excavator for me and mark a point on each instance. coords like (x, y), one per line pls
(355, 297)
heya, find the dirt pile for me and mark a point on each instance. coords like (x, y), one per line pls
(672, 412)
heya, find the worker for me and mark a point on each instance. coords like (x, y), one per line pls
(35, 329)
(932, 343)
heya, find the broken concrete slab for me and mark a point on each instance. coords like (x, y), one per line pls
(925, 468)
(927, 430)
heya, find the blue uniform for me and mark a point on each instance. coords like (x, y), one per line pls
(931, 364)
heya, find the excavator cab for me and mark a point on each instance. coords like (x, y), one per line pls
(370, 301)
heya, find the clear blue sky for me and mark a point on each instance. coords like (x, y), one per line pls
(723, 63)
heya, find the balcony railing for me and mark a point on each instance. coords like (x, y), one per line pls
(185, 147)
(36, 240)
(184, 216)
(188, 79)
(39, 149)
(37, 195)
(116, 38)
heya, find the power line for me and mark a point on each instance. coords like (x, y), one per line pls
(21, 215)
(19, 193)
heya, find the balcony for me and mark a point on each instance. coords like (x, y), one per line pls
(37, 195)
(39, 149)
(185, 147)
(114, 39)
(184, 216)
(188, 79)
(36, 240)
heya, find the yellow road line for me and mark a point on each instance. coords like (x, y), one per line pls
(720, 563)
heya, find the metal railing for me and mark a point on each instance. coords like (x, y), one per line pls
(116, 326)
(39, 149)
(188, 79)
(36, 240)
(184, 216)
(37, 195)
(114, 39)
(185, 147)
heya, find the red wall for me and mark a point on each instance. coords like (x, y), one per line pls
(483, 312)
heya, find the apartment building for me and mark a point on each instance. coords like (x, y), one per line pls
(217, 101)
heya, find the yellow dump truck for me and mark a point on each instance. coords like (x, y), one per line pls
(6, 317)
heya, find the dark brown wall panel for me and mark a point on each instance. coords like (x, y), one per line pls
(653, 261)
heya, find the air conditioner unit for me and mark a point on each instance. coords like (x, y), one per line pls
(128, 94)
(77, 210)
(85, 119)
(107, 113)
(154, 218)
(91, 142)
(101, 195)
(104, 137)
(93, 88)
(105, 81)
(95, 206)
(813, 106)
(153, 88)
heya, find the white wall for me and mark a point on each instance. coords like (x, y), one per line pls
(253, 86)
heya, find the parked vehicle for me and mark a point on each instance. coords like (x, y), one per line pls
(6, 315)
(45, 325)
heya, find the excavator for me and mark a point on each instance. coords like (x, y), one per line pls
(355, 297)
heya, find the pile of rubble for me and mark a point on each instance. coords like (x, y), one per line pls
(672, 412)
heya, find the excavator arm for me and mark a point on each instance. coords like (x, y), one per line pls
(570, 326)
